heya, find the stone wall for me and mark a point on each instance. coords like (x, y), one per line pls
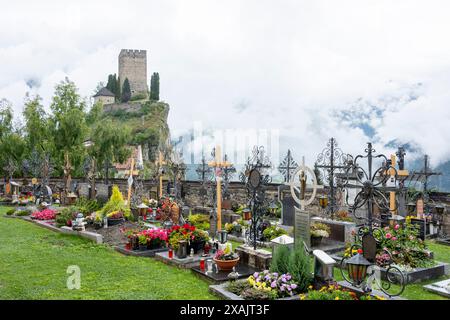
(126, 107)
(133, 65)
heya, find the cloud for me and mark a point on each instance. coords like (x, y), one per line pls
(306, 69)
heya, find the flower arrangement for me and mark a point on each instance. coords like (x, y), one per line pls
(155, 237)
(318, 229)
(200, 221)
(225, 255)
(265, 285)
(400, 245)
(335, 292)
(186, 232)
(273, 232)
(343, 215)
(46, 214)
(115, 215)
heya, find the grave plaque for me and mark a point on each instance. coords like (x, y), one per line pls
(83, 190)
(302, 225)
(287, 208)
(102, 192)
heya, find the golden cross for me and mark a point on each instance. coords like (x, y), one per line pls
(218, 164)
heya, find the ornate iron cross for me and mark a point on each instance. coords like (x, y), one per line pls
(329, 160)
(287, 166)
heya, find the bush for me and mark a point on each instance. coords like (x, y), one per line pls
(22, 213)
(86, 206)
(116, 203)
(238, 286)
(280, 260)
(66, 215)
(10, 212)
(200, 221)
(255, 294)
(299, 267)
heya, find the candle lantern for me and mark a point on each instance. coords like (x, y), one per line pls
(357, 268)
(222, 235)
(273, 208)
(247, 214)
(142, 209)
(323, 201)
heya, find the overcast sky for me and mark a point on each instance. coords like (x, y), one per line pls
(307, 70)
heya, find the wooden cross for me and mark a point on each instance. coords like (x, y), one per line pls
(160, 163)
(219, 165)
(131, 179)
(401, 173)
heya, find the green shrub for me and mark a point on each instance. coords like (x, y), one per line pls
(255, 294)
(67, 214)
(10, 212)
(22, 213)
(238, 286)
(280, 260)
(86, 206)
(300, 267)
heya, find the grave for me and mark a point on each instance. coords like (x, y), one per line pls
(139, 253)
(185, 263)
(287, 205)
(259, 258)
(219, 276)
(441, 287)
(341, 231)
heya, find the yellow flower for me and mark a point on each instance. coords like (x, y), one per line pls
(310, 287)
(302, 297)
(337, 298)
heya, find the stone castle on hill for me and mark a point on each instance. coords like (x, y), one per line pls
(132, 65)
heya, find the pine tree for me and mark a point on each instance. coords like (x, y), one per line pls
(154, 87)
(126, 91)
(118, 89)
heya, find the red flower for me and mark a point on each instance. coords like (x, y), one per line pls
(360, 251)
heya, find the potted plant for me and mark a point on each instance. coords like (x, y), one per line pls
(226, 259)
(178, 239)
(197, 240)
(318, 232)
(156, 238)
(114, 218)
(142, 242)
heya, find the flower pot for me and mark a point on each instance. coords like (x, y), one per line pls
(316, 241)
(196, 245)
(113, 222)
(226, 265)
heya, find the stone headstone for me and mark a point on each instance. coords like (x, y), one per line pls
(287, 206)
(212, 225)
(102, 192)
(83, 190)
(301, 227)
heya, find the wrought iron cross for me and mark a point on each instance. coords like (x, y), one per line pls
(287, 166)
(330, 159)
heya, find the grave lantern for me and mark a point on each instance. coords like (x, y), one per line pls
(357, 268)
(440, 208)
(282, 240)
(247, 214)
(222, 235)
(273, 208)
(142, 209)
(323, 201)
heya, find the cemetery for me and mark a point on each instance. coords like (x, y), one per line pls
(338, 230)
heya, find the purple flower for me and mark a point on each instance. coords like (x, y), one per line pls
(273, 284)
(282, 288)
(294, 286)
(256, 274)
(289, 288)
(283, 279)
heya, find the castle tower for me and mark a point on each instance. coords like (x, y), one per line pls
(133, 65)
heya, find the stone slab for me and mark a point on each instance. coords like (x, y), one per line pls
(186, 263)
(358, 291)
(441, 287)
(139, 253)
(221, 276)
(259, 258)
(330, 246)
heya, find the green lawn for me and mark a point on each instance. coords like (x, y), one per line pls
(34, 261)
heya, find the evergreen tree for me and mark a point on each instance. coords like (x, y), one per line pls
(126, 91)
(118, 90)
(154, 87)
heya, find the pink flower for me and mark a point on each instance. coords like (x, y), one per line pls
(388, 235)
(396, 227)
(394, 238)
